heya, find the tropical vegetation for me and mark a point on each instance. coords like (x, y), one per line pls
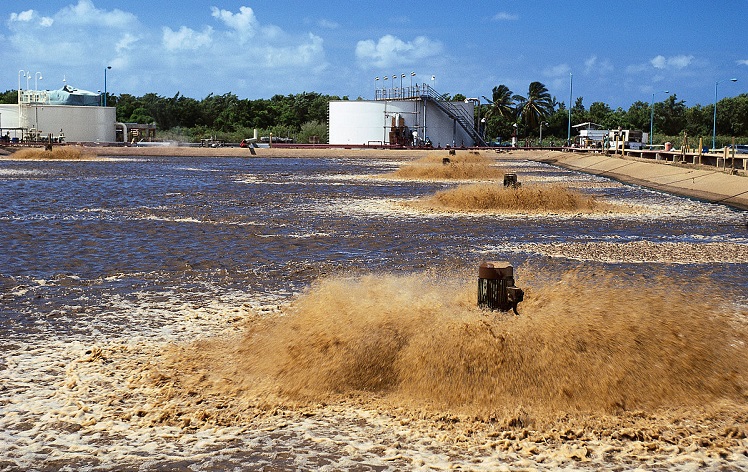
(303, 116)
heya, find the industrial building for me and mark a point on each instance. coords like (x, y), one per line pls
(68, 114)
(593, 136)
(404, 116)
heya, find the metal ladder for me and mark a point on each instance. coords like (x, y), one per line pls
(456, 113)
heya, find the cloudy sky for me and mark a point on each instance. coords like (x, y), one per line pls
(616, 52)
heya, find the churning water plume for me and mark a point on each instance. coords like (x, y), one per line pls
(460, 166)
(532, 198)
(584, 343)
(57, 153)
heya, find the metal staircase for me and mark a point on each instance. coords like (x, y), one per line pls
(458, 114)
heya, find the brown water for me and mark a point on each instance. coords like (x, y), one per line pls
(524, 199)
(441, 165)
(582, 344)
(205, 314)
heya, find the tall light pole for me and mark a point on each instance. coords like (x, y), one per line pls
(714, 125)
(571, 88)
(412, 74)
(105, 69)
(21, 73)
(37, 78)
(541, 131)
(385, 93)
(376, 87)
(394, 86)
(651, 117)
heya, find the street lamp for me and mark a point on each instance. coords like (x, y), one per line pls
(21, 73)
(107, 68)
(571, 87)
(412, 74)
(541, 131)
(393, 85)
(651, 118)
(385, 93)
(376, 87)
(714, 125)
(37, 78)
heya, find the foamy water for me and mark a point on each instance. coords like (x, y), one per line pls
(112, 271)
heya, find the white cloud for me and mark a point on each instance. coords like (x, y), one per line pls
(86, 13)
(742, 62)
(186, 38)
(658, 62)
(328, 24)
(504, 16)
(589, 64)
(390, 50)
(244, 23)
(599, 66)
(674, 62)
(557, 70)
(300, 55)
(125, 43)
(30, 16)
(24, 16)
(246, 56)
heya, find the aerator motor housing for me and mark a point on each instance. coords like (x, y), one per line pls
(510, 180)
(496, 290)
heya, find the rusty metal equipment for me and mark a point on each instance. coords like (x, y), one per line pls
(496, 290)
(510, 180)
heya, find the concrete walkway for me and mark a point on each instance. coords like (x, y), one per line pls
(707, 184)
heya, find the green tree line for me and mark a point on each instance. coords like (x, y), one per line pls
(671, 117)
(228, 117)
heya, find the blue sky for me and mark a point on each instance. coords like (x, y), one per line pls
(618, 52)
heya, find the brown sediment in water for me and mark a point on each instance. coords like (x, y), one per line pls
(586, 350)
(527, 198)
(57, 153)
(461, 166)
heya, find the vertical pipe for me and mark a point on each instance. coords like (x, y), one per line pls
(714, 122)
(651, 119)
(571, 88)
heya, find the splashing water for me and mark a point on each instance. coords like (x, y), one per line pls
(584, 343)
(463, 165)
(58, 153)
(532, 198)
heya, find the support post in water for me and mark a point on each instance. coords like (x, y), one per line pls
(496, 290)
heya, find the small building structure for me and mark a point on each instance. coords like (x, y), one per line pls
(593, 136)
(407, 116)
(68, 114)
(135, 132)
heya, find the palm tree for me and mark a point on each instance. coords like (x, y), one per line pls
(502, 103)
(537, 106)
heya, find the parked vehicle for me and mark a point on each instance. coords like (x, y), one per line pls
(739, 148)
